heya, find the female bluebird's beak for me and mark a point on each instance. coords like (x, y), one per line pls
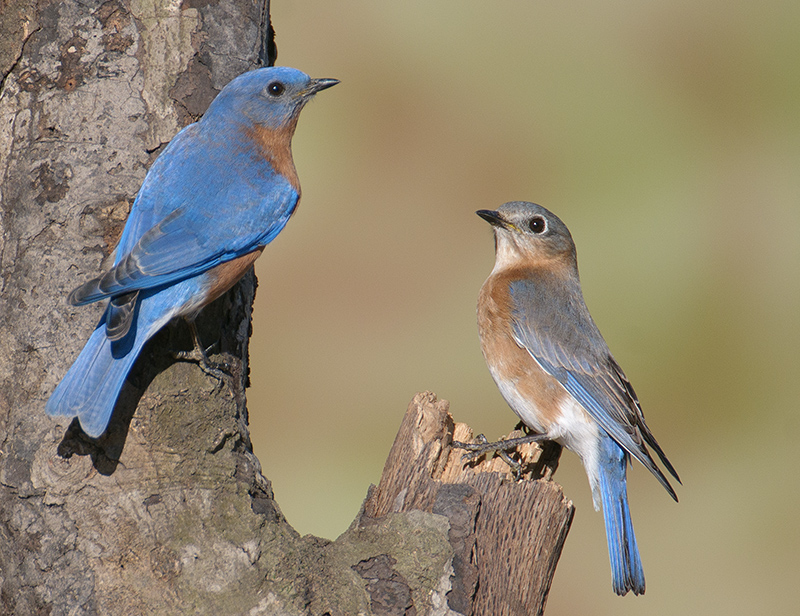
(317, 85)
(493, 218)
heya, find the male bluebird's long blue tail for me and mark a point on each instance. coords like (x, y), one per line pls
(626, 565)
(91, 386)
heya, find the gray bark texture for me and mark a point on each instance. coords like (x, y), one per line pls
(168, 512)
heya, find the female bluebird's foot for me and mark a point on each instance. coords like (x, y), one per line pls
(483, 446)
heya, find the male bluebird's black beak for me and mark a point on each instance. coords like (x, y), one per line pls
(492, 217)
(317, 85)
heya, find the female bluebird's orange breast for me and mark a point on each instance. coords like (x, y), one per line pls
(533, 394)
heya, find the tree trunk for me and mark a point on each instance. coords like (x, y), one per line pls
(168, 513)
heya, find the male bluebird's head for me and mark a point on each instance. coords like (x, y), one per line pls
(527, 234)
(271, 97)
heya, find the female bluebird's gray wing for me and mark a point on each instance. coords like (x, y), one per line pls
(550, 320)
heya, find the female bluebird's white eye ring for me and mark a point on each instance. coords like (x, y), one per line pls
(276, 88)
(537, 225)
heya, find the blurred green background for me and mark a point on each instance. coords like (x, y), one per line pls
(667, 136)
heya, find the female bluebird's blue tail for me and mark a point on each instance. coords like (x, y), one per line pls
(626, 566)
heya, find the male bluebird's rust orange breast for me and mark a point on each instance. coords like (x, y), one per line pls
(224, 276)
(275, 144)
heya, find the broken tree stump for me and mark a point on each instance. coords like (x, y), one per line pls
(506, 535)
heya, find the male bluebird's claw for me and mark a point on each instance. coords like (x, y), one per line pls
(199, 354)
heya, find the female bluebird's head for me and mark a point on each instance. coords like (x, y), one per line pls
(271, 97)
(526, 234)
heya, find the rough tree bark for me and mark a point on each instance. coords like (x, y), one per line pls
(168, 512)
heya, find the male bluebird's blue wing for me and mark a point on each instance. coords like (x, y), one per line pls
(550, 320)
(208, 213)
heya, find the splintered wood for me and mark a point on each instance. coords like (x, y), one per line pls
(506, 535)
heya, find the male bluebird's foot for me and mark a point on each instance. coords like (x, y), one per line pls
(483, 446)
(199, 354)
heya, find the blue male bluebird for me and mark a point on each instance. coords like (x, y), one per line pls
(221, 190)
(555, 371)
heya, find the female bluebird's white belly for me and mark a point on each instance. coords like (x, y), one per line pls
(570, 426)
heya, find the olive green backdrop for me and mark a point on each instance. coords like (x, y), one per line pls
(667, 136)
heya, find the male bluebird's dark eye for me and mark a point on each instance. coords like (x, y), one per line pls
(276, 88)
(537, 224)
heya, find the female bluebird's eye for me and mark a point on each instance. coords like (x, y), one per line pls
(276, 88)
(537, 224)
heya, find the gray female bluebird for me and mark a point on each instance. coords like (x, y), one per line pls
(555, 371)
